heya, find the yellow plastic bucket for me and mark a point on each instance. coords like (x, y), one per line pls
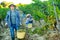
(30, 25)
(20, 35)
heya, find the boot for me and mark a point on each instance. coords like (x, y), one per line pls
(13, 38)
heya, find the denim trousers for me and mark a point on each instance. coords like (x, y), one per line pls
(13, 28)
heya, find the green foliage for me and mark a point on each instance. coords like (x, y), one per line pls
(40, 9)
(3, 12)
(3, 4)
(38, 30)
(37, 9)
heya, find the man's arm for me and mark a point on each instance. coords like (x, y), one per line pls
(27, 21)
(19, 18)
(6, 19)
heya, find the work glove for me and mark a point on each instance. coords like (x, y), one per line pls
(6, 24)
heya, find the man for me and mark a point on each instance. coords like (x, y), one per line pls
(12, 20)
(29, 19)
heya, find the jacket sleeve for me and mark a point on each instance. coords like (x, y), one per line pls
(27, 21)
(19, 17)
(6, 19)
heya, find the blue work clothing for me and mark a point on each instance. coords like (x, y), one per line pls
(13, 21)
(13, 17)
(12, 28)
(29, 21)
(8, 18)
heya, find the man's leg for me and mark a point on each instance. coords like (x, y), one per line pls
(16, 28)
(12, 33)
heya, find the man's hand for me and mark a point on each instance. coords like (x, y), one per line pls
(6, 24)
(20, 23)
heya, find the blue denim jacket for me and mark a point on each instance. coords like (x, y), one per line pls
(29, 20)
(8, 18)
